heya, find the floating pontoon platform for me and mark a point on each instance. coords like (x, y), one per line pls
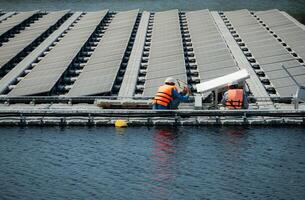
(56, 66)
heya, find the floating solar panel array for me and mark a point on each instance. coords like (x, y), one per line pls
(131, 53)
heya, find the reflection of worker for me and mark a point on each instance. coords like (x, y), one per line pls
(165, 146)
(168, 96)
(235, 98)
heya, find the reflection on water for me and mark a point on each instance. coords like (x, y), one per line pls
(235, 134)
(162, 155)
(120, 130)
(152, 163)
(163, 152)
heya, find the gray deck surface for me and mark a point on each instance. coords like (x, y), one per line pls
(13, 21)
(104, 64)
(212, 55)
(166, 58)
(268, 52)
(48, 71)
(10, 49)
(291, 33)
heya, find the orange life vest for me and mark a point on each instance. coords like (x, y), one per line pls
(164, 95)
(235, 99)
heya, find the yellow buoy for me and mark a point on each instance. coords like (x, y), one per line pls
(120, 123)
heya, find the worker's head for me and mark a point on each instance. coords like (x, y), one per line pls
(233, 85)
(170, 81)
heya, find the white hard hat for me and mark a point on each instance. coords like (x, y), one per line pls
(170, 80)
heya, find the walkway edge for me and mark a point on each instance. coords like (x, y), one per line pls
(130, 78)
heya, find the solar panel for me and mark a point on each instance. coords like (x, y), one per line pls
(289, 31)
(269, 53)
(14, 20)
(101, 80)
(18, 70)
(166, 56)
(52, 61)
(212, 55)
(6, 15)
(20, 41)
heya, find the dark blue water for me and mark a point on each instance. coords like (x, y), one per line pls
(293, 7)
(156, 163)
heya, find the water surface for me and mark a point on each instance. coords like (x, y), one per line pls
(152, 163)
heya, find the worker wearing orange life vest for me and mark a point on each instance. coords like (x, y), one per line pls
(235, 98)
(168, 97)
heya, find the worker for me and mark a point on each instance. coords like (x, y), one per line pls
(235, 98)
(168, 96)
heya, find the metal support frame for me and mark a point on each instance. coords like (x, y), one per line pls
(297, 96)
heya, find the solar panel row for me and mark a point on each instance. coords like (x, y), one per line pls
(49, 70)
(129, 82)
(268, 52)
(166, 58)
(292, 34)
(213, 57)
(18, 70)
(10, 49)
(13, 21)
(6, 15)
(99, 74)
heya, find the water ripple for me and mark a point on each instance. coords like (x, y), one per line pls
(157, 163)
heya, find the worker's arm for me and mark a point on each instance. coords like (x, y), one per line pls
(183, 98)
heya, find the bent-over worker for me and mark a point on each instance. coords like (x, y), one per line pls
(168, 97)
(235, 98)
